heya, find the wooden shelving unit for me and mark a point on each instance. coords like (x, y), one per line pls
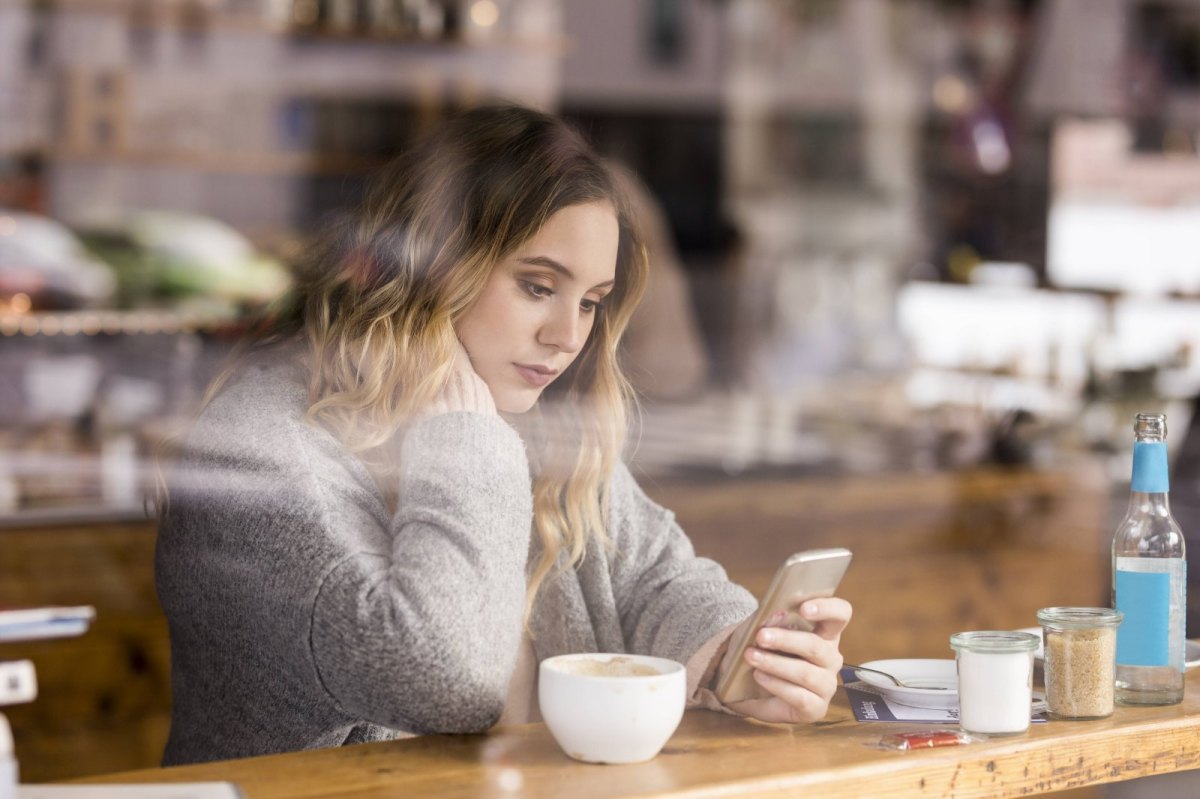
(201, 17)
(112, 323)
(205, 102)
(266, 163)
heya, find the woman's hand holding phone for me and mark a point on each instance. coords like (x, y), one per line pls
(798, 669)
(783, 661)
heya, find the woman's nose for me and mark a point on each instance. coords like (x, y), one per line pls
(564, 330)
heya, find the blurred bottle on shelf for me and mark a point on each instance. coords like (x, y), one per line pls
(430, 20)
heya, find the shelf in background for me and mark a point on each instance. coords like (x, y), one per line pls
(112, 323)
(224, 161)
(196, 17)
(538, 45)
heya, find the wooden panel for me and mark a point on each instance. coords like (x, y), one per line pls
(933, 554)
(104, 698)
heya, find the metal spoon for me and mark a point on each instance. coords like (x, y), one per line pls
(897, 680)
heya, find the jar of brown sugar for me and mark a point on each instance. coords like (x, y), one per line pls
(1080, 655)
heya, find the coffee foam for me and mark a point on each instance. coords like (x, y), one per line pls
(613, 667)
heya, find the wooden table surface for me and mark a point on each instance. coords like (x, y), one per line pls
(714, 755)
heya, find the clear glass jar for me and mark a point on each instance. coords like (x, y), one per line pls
(1080, 660)
(995, 680)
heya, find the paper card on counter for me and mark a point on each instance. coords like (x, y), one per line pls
(31, 624)
(177, 790)
(868, 704)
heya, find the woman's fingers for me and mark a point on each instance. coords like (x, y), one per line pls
(462, 358)
(805, 673)
(799, 669)
(828, 615)
(795, 644)
(789, 702)
(792, 703)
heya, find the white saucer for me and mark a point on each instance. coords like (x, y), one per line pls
(920, 671)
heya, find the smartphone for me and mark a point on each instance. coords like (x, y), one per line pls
(803, 576)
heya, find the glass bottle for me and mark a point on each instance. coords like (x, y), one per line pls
(1149, 575)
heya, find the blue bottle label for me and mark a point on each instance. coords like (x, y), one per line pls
(1150, 468)
(1143, 639)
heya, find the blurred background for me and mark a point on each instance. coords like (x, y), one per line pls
(916, 266)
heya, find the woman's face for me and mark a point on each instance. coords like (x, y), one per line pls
(540, 303)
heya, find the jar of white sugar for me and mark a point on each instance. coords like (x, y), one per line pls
(995, 680)
(1081, 650)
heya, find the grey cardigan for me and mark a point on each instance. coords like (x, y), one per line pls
(303, 614)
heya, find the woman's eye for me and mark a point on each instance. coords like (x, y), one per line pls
(537, 289)
(589, 306)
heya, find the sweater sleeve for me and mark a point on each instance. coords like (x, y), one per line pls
(702, 671)
(670, 601)
(423, 636)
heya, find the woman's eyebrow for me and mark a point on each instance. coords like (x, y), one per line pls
(550, 263)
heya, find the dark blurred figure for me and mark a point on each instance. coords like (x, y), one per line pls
(1185, 505)
(22, 183)
(665, 354)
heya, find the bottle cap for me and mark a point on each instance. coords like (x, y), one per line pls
(1150, 426)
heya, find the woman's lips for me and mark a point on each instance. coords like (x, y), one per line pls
(538, 376)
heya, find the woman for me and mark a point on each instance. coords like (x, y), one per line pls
(360, 544)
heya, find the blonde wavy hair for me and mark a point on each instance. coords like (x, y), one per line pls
(374, 309)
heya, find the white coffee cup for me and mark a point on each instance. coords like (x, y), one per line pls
(611, 708)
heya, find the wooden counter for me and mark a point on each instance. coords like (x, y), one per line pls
(714, 755)
(934, 553)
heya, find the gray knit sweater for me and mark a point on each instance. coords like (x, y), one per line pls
(303, 614)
